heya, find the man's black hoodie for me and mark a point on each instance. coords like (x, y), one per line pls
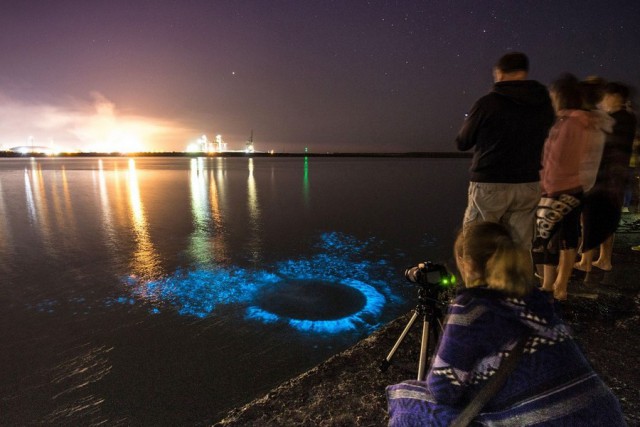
(508, 128)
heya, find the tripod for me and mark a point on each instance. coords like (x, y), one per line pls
(428, 308)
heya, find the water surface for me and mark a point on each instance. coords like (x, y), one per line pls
(164, 291)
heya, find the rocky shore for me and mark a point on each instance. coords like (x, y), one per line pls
(349, 388)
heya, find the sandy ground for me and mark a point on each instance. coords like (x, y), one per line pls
(348, 389)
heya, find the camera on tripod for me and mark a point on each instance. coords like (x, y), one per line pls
(436, 285)
(433, 277)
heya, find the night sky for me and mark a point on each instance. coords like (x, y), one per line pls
(345, 76)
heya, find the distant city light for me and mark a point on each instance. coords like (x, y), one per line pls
(204, 145)
(193, 148)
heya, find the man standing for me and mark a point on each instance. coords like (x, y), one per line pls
(507, 129)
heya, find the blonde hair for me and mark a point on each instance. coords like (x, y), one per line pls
(495, 258)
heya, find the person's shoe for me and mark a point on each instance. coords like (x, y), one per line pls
(635, 248)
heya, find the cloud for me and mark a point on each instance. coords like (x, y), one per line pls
(95, 124)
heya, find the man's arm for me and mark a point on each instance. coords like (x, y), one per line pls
(466, 138)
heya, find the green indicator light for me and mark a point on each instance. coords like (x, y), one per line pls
(448, 280)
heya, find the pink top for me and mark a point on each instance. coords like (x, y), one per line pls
(601, 124)
(573, 151)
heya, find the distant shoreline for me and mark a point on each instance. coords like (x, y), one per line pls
(421, 154)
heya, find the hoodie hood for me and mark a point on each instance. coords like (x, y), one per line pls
(524, 92)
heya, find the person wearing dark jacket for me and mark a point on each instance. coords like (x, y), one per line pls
(507, 129)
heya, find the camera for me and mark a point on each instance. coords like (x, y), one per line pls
(430, 274)
(437, 285)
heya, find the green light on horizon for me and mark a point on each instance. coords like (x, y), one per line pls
(305, 180)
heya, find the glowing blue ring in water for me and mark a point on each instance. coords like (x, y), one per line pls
(366, 318)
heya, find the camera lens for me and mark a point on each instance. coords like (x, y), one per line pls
(412, 274)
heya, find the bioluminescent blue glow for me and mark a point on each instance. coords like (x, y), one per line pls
(334, 290)
(366, 318)
(198, 292)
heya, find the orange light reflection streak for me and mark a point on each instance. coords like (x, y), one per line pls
(146, 262)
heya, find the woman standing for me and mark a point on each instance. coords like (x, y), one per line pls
(574, 141)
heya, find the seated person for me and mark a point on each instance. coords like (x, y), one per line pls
(552, 382)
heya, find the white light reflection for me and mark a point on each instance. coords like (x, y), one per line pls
(255, 243)
(40, 198)
(107, 216)
(199, 247)
(207, 242)
(38, 208)
(37, 205)
(66, 225)
(31, 206)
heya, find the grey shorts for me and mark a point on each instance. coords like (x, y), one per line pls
(513, 205)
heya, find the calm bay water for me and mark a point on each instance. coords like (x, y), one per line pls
(164, 291)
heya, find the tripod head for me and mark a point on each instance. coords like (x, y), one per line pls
(434, 307)
(435, 284)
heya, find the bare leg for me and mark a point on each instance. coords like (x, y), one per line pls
(606, 251)
(567, 259)
(585, 261)
(548, 277)
(539, 272)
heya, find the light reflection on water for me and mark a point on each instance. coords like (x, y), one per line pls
(126, 276)
(70, 380)
(145, 262)
(207, 241)
(110, 237)
(305, 181)
(31, 205)
(254, 226)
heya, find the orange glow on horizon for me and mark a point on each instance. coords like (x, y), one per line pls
(96, 126)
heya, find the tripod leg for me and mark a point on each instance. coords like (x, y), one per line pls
(430, 332)
(387, 362)
(423, 349)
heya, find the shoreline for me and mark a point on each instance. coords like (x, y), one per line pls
(348, 389)
(417, 154)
